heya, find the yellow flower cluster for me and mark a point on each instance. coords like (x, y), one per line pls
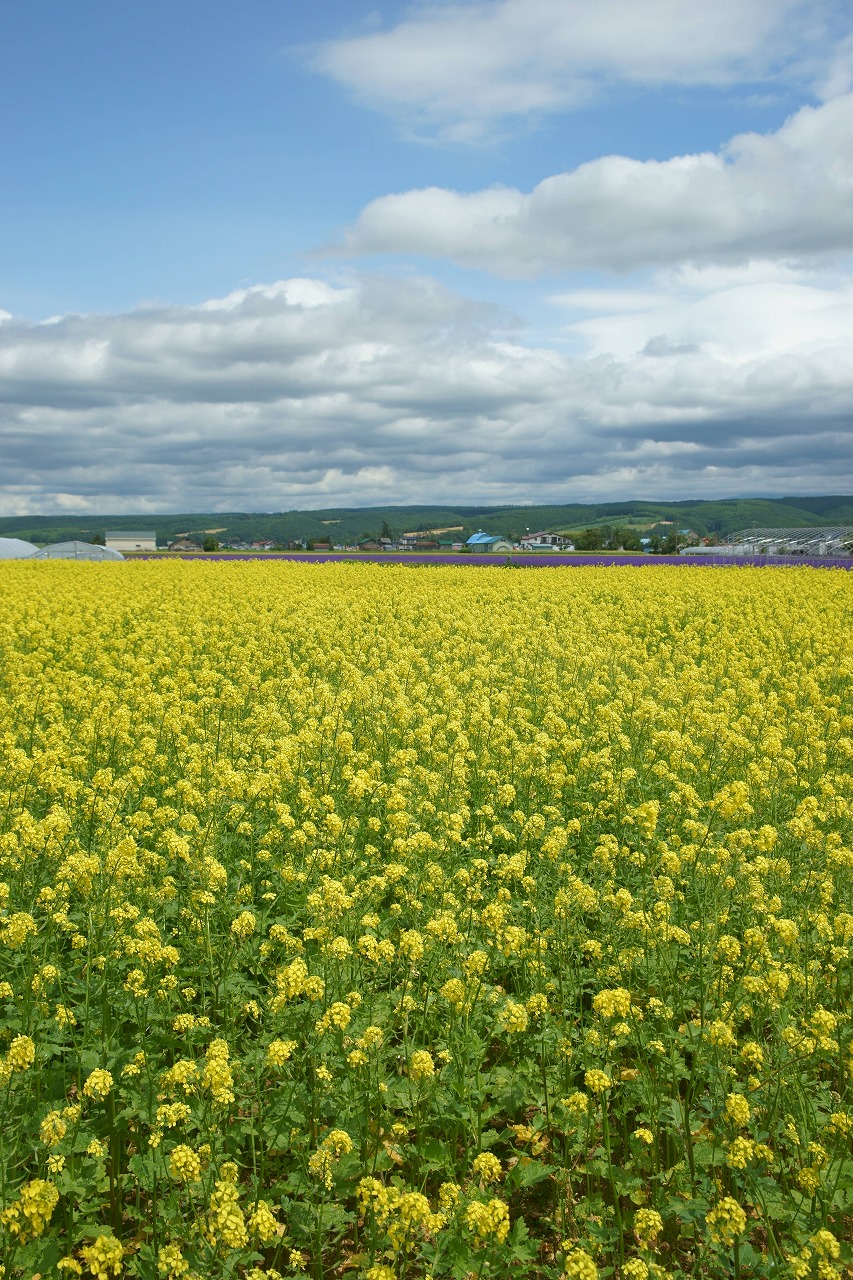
(104, 1257)
(216, 1075)
(32, 1211)
(487, 1220)
(321, 1164)
(98, 1085)
(726, 1221)
(226, 1223)
(580, 1266)
(184, 1164)
(487, 1168)
(421, 1065)
(404, 1215)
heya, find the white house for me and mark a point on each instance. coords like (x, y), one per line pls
(546, 541)
(131, 539)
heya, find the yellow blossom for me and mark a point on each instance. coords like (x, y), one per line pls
(490, 1219)
(513, 1017)
(98, 1084)
(421, 1065)
(580, 1266)
(171, 1263)
(737, 1108)
(726, 1221)
(243, 926)
(184, 1164)
(263, 1223)
(597, 1081)
(29, 1215)
(21, 1053)
(487, 1168)
(104, 1257)
(648, 1224)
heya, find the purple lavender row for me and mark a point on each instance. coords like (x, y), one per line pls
(521, 561)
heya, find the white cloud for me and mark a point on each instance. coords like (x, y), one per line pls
(611, 301)
(786, 194)
(737, 317)
(837, 76)
(298, 292)
(304, 394)
(462, 67)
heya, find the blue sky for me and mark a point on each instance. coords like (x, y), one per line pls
(265, 256)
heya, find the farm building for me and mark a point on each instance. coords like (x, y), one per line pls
(494, 543)
(131, 539)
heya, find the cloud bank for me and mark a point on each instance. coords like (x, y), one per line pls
(787, 194)
(304, 394)
(461, 68)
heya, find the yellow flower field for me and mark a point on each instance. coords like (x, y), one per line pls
(390, 923)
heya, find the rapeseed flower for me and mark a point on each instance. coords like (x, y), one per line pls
(98, 1084)
(280, 1051)
(244, 925)
(216, 1076)
(171, 1262)
(615, 1002)
(648, 1224)
(421, 1065)
(226, 1223)
(580, 1266)
(737, 1108)
(184, 1164)
(29, 1215)
(104, 1257)
(487, 1168)
(513, 1017)
(487, 1220)
(263, 1223)
(597, 1081)
(726, 1221)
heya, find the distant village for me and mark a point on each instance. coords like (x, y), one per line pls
(663, 538)
(480, 542)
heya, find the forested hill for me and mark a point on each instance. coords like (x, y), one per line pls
(347, 524)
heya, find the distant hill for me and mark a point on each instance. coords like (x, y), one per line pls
(347, 524)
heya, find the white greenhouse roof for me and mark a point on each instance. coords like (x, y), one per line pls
(16, 549)
(77, 551)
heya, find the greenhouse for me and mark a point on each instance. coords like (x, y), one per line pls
(16, 549)
(77, 551)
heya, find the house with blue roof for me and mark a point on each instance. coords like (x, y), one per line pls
(493, 543)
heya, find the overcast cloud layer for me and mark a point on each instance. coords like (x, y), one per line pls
(693, 313)
(303, 394)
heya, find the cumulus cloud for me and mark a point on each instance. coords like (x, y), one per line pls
(785, 194)
(738, 317)
(306, 394)
(462, 67)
